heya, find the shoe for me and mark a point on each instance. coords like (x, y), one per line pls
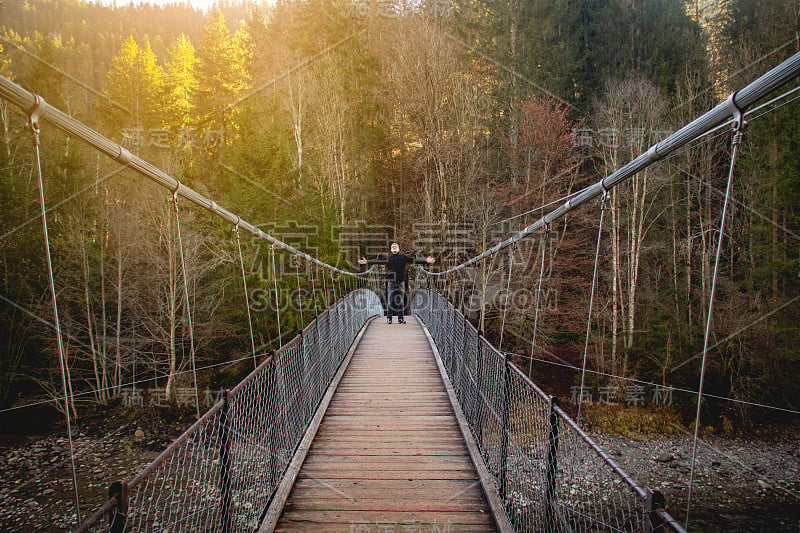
(401, 320)
(389, 320)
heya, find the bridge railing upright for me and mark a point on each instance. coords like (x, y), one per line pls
(549, 473)
(221, 474)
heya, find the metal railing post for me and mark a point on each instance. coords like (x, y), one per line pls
(305, 344)
(504, 430)
(551, 465)
(118, 518)
(653, 521)
(225, 463)
(460, 365)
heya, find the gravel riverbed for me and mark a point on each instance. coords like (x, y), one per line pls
(739, 485)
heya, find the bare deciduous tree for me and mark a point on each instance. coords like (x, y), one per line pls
(629, 118)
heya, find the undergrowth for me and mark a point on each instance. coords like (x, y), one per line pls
(632, 421)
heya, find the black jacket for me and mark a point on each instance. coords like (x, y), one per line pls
(396, 264)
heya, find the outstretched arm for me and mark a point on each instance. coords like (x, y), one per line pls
(428, 260)
(376, 261)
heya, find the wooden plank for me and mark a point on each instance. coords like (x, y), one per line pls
(313, 502)
(388, 429)
(394, 451)
(399, 518)
(377, 527)
(388, 470)
(454, 461)
(409, 437)
(382, 488)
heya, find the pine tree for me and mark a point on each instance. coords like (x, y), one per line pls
(132, 95)
(180, 85)
(222, 68)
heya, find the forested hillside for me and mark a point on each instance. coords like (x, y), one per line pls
(443, 125)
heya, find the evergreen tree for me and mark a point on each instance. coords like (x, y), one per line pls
(180, 84)
(763, 260)
(43, 75)
(222, 69)
(132, 95)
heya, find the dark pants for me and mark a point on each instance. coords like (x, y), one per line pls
(395, 299)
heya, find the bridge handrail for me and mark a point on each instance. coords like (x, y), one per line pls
(562, 414)
(488, 384)
(222, 436)
(731, 110)
(37, 108)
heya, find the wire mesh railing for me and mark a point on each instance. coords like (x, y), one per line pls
(221, 474)
(549, 473)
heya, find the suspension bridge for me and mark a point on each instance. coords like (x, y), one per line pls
(357, 425)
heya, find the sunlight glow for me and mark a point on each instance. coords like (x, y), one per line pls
(203, 5)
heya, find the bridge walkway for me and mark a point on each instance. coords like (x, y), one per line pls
(390, 451)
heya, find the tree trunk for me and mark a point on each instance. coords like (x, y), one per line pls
(688, 258)
(6, 132)
(118, 365)
(615, 277)
(90, 322)
(775, 222)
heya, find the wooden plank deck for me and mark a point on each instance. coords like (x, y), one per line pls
(389, 454)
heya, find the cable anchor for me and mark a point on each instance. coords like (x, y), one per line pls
(33, 116)
(604, 194)
(739, 123)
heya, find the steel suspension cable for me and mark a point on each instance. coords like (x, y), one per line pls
(738, 132)
(508, 292)
(188, 303)
(603, 200)
(246, 296)
(472, 291)
(538, 295)
(277, 295)
(314, 291)
(539, 208)
(325, 289)
(451, 288)
(299, 296)
(33, 123)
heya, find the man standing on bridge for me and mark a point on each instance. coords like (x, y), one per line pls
(396, 286)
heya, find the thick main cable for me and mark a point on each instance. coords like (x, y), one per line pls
(716, 117)
(27, 100)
